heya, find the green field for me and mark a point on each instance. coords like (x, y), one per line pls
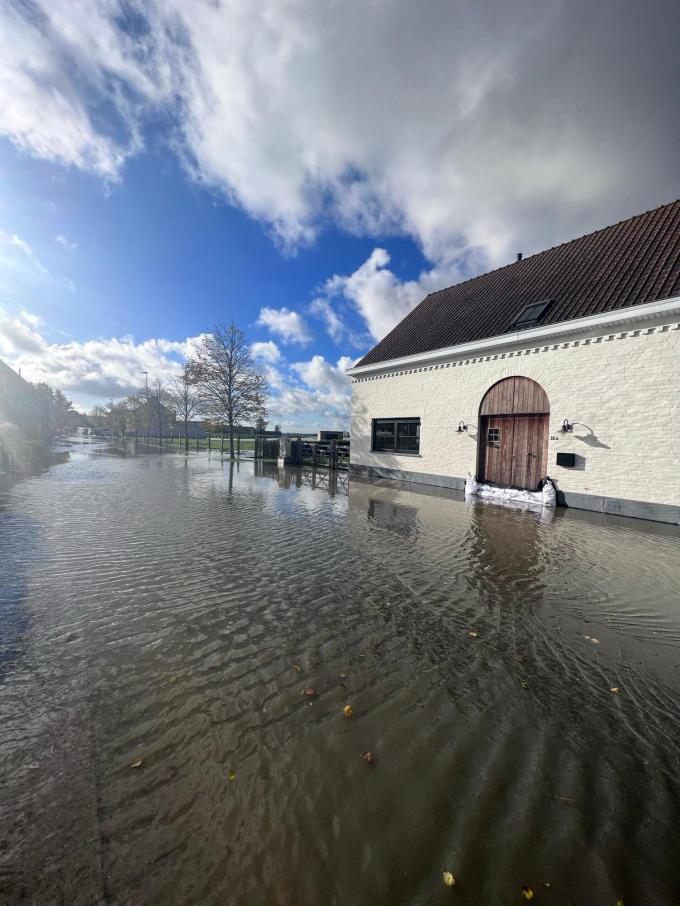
(247, 443)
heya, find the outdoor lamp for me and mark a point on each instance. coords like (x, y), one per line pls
(462, 427)
(567, 426)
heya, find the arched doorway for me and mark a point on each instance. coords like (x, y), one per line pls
(513, 437)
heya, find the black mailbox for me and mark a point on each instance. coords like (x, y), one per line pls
(568, 460)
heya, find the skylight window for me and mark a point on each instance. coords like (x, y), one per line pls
(530, 315)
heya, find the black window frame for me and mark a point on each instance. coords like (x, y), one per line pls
(396, 449)
(524, 321)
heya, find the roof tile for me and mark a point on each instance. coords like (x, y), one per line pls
(629, 263)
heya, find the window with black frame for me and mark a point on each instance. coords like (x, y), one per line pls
(396, 435)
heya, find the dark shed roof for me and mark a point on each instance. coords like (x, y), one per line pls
(632, 262)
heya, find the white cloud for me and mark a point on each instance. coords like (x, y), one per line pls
(26, 249)
(93, 370)
(378, 294)
(493, 127)
(66, 243)
(289, 325)
(323, 309)
(321, 400)
(30, 318)
(267, 351)
(319, 374)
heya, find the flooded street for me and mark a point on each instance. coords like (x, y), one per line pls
(516, 680)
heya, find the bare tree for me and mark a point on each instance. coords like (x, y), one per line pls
(160, 409)
(232, 390)
(184, 396)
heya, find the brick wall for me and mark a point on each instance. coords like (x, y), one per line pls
(622, 390)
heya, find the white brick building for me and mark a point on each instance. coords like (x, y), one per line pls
(573, 351)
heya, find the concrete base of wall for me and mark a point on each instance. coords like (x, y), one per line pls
(615, 506)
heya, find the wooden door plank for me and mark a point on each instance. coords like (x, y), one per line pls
(507, 433)
(519, 451)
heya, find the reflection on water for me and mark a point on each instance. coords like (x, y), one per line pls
(173, 610)
(334, 483)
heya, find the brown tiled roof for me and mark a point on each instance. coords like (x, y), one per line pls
(632, 262)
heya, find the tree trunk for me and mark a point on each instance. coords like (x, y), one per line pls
(231, 439)
(186, 436)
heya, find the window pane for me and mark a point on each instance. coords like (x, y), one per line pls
(408, 437)
(531, 312)
(383, 436)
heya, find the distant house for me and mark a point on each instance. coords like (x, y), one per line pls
(563, 364)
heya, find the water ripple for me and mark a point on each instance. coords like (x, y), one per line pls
(174, 610)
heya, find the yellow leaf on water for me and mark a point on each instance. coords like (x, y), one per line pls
(614, 689)
(348, 710)
(527, 893)
(232, 776)
(137, 764)
(595, 641)
(619, 903)
(448, 879)
(473, 634)
(297, 668)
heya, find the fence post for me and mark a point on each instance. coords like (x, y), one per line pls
(197, 440)
(208, 443)
(238, 444)
(334, 455)
(222, 444)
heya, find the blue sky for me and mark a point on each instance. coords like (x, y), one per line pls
(309, 171)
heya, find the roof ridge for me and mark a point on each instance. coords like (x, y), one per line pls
(551, 248)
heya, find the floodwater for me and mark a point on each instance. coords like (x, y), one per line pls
(173, 610)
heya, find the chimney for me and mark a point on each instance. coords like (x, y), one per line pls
(519, 256)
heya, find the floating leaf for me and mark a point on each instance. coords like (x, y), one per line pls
(342, 675)
(473, 634)
(619, 903)
(348, 710)
(297, 668)
(137, 764)
(310, 693)
(595, 641)
(527, 893)
(232, 776)
(448, 879)
(614, 689)
(367, 757)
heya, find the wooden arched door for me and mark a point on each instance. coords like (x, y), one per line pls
(513, 438)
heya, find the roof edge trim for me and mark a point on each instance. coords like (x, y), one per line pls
(629, 314)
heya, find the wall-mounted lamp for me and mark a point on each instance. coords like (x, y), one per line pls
(462, 427)
(567, 426)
